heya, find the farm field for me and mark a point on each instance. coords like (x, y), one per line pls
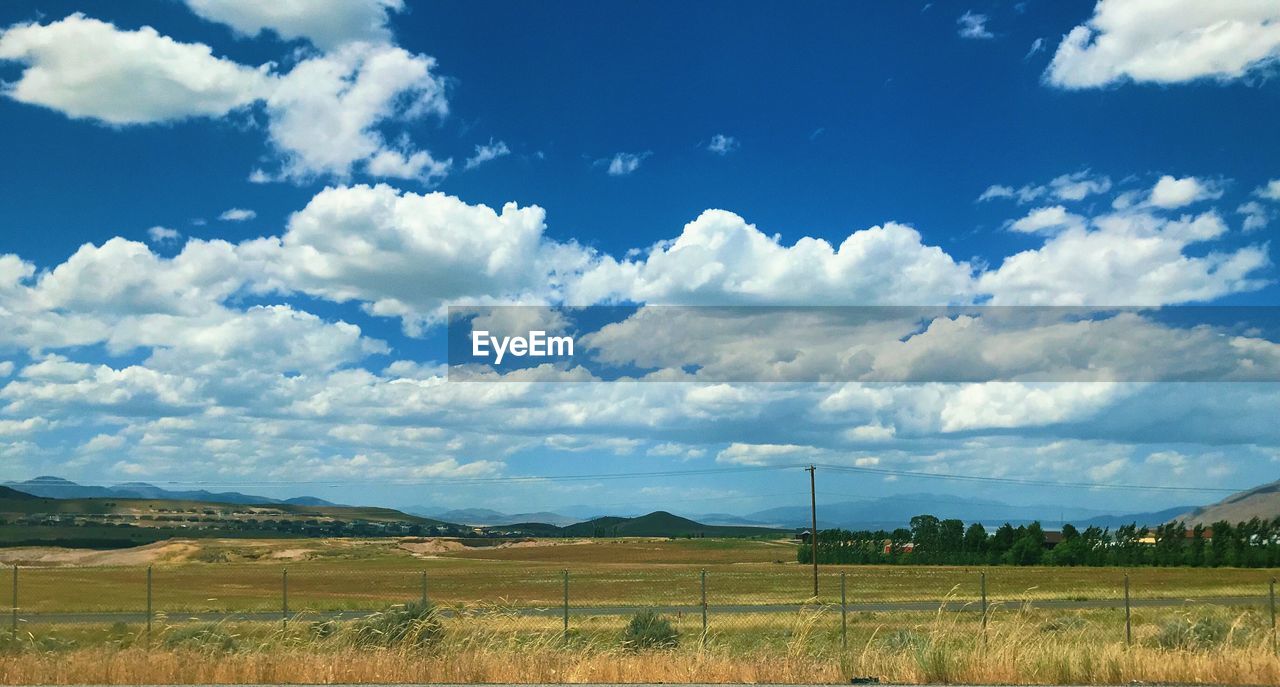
(191, 576)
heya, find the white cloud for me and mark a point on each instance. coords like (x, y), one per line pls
(1067, 187)
(237, 215)
(406, 255)
(1269, 190)
(972, 25)
(1047, 219)
(1127, 259)
(623, 164)
(487, 152)
(326, 23)
(995, 191)
(159, 234)
(326, 112)
(418, 165)
(1037, 47)
(719, 258)
(1170, 193)
(1167, 42)
(723, 145)
(1256, 216)
(6, 368)
(87, 68)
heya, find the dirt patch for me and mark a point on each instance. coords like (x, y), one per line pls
(430, 547)
(173, 551)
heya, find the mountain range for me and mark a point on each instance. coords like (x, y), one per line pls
(886, 512)
(58, 488)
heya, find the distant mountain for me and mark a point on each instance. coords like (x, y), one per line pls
(58, 488)
(1151, 519)
(1260, 502)
(727, 519)
(484, 517)
(659, 524)
(889, 512)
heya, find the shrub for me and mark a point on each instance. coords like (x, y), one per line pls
(648, 630)
(413, 624)
(1188, 633)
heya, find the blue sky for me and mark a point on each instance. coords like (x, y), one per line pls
(244, 307)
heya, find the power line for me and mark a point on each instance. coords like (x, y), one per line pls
(1024, 482)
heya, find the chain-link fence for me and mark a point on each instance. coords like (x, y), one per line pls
(727, 608)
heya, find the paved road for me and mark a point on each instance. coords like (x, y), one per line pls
(879, 607)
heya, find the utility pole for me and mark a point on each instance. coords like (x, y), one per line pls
(813, 533)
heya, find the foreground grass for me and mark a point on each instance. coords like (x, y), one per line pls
(1194, 645)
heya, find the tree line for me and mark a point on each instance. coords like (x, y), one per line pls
(934, 541)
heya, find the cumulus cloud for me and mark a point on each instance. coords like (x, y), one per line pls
(326, 112)
(324, 116)
(326, 23)
(406, 255)
(487, 152)
(1167, 42)
(1127, 259)
(237, 215)
(1171, 193)
(723, 145)
(90, 69)
(720, 258)
(973, 26)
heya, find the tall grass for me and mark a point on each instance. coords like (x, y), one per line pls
(1019, 646)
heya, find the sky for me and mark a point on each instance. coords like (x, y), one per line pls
(230, 231)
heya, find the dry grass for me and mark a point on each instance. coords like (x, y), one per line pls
(1019, 647)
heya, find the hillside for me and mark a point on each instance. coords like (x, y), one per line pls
(1259, 502)
(115, 522)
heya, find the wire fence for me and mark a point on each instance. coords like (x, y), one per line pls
(724, 607)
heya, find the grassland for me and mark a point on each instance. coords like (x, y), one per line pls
(247, 575)
(1212, 646)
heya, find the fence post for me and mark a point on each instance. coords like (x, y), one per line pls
(566, 605)
(424, 588)
(844, 614)
(1128, 622)
(1271, 592)
(149, 614)
(15, 601)
(982, 586)
(284, 597)
(704, 608)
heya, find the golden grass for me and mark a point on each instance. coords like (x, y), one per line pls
(1019, 646)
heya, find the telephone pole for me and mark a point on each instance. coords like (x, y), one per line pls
(813, 533)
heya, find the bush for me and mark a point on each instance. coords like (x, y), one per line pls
(1186, 633)
(648, 630)
(414, 624)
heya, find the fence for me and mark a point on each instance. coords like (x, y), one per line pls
(743, 609)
